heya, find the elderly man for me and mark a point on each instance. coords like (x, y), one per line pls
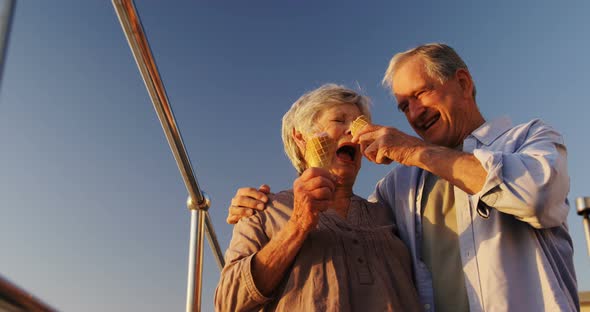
(481, 205)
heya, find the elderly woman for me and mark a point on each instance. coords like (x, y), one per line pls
(319, 247)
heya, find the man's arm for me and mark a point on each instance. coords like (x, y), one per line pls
(461, 169)
(531, 182)
(383, 145)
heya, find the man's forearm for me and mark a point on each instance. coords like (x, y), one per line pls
(461, 169)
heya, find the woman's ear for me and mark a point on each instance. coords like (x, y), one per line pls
(299, 140)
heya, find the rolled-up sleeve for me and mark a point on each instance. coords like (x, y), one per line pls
(530, 183)
(236, 290)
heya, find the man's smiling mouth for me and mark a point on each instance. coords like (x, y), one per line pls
(431, 122)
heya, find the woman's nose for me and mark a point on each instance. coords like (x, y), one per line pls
(348, 129)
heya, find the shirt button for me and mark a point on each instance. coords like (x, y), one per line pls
(355, 241)
(427, 307)
(360, 260)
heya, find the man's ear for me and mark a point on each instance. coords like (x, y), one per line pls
(299, 140)
(465, 81)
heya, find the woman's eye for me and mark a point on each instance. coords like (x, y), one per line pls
(338, 120)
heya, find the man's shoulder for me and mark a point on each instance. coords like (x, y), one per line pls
(536, 123)
(500, 131)
(533, 123)
(536, 128)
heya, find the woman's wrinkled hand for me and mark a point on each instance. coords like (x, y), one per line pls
(313, 193)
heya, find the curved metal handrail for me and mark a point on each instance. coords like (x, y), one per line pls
(6, 15)
(197, 202)
(583, 207)
(14, 298)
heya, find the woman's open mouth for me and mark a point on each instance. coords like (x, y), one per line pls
(347, 152)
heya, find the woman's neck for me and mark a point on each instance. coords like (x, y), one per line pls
(342, 196)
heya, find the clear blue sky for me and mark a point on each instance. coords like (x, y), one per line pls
(92, 207)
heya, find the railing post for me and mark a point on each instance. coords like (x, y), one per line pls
(6, 14)
(583, 205)
(198, 202)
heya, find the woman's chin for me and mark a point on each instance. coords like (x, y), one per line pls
(347, 176)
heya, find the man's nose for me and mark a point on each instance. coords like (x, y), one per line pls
(415, 110)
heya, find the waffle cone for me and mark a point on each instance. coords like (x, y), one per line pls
(359, 123)
(319, 150)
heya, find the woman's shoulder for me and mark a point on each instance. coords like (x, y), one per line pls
(279, 206)
(284, 196)
(369, 204)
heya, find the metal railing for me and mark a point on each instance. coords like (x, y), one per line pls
(583, 207)
(6, 14)
(197, 202)
(13, 298)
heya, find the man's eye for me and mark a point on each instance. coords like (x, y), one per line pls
(403, 108)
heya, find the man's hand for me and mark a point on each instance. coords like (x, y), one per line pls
(246, 201)
(382, 145)
(313, 193)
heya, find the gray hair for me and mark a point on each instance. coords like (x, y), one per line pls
(441, 62)
(304, 113)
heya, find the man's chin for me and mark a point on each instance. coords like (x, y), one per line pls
(435, 139)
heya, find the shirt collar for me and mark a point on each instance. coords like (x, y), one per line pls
(491, 130)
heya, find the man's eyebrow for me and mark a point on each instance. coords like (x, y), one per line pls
(428, 86)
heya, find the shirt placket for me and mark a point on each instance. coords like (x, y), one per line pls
(424, 273)
(352, 242)
(359, 257)
(465, 213)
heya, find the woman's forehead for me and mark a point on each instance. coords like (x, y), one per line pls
(341, 108)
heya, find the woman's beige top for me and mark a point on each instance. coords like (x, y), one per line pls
(357, 264)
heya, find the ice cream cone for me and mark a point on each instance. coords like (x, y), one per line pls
(319, 150)
(360, 122)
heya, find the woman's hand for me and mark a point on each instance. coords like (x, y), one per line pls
(313, 193)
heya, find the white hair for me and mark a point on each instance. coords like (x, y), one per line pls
(441, 62)
(304, 112)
